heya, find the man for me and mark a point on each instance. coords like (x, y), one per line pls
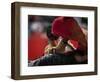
(71, 47)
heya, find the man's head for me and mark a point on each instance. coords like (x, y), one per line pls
(69, 29)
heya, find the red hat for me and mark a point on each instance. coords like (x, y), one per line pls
(68, 28)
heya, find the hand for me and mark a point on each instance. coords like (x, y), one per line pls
(49, 49)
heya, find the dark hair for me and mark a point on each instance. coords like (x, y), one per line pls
(50, 35)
